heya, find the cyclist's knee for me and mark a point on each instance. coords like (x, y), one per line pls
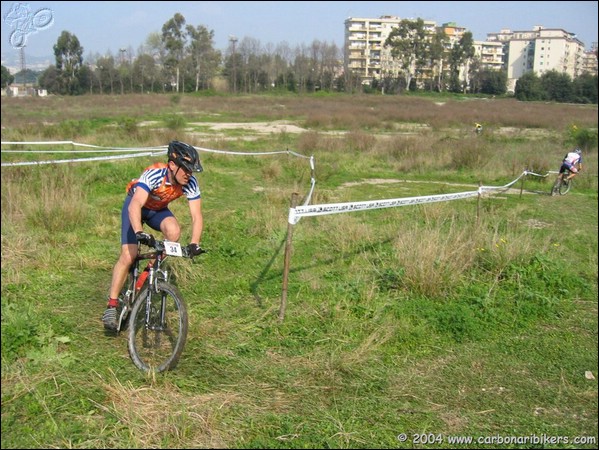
(128, 254)
(172, 234)
(171, 229)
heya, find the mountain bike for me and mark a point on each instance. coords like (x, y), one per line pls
(562, 186)
(153, 310)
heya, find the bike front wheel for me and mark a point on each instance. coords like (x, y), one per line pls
(158, 328)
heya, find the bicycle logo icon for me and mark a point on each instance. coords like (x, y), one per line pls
(26, 22)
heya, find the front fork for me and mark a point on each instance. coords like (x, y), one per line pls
(156, 274)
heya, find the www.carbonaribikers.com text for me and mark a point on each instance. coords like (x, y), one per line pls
(542, 439)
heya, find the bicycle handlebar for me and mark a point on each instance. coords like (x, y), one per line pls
(160, 247)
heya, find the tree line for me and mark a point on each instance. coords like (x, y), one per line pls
(182, 58)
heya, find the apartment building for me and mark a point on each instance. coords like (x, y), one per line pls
(589, 60)
(454, 32)
(367, 57)
(539, 50)
(490, 54)
(365, 53)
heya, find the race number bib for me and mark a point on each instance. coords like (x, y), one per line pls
(172, 248)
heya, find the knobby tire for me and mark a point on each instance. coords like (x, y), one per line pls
(565, 187)
(158, 347)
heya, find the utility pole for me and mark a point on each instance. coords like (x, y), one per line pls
(23, 67)
(233, 41)
(91, 78)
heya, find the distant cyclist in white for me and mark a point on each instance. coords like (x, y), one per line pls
(572, 162)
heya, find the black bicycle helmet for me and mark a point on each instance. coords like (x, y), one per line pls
(184, 155)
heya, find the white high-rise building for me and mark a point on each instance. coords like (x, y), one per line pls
(517, 52)
(365, 52)
(367, 57)
(540, 50)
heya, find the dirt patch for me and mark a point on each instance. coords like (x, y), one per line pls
(392, 180)
(530, 133)
(279, 126)
(255, 129)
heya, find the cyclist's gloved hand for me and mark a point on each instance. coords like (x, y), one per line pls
(145, 238)
(195, 249)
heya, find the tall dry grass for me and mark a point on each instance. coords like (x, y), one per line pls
(336, 112)
(436, 255)
(46, 201)
(35, 199)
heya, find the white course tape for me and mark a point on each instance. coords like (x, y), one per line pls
(76, 144)
(229, 152)
(312, 179)
(84, 151)
(62, 161)
(539, 175)
(295, 214)
(309, 196)
(302, 156)
(333, 208)
(38, 143)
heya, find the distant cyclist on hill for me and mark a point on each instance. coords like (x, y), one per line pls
(147, 202)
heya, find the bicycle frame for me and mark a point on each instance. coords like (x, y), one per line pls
(153, 309)
(152, 273)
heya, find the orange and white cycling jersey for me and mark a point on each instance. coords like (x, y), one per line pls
(155, 180)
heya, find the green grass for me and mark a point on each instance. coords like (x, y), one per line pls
(425, 320)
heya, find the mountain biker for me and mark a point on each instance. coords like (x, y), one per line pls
(572, 162)
(478, 128)
(147, 203)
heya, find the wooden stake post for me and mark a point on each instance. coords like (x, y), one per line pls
(522, 182)
(287, 261)
(478, 203)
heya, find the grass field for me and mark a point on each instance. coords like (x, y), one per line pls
(407, 327)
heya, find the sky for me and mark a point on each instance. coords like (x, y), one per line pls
(105, 27)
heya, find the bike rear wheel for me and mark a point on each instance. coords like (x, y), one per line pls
(158, 328)
(564, 187)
